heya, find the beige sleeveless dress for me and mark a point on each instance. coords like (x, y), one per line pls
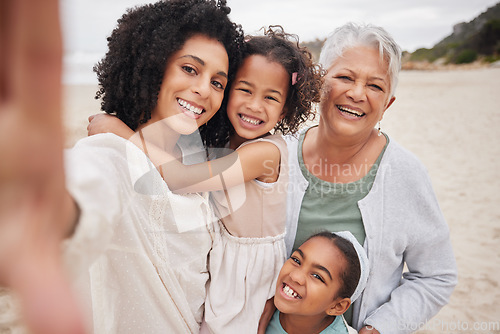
(249, 251)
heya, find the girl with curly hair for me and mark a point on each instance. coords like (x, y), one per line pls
(139, 251)
(273, 90)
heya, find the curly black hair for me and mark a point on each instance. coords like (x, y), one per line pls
(131, 73)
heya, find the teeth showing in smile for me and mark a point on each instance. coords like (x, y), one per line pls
(290, 292)
(252, 121)
(189, 107)
(350, 111)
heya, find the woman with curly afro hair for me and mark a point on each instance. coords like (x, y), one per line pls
(139, 252)
(131, 73)
(273, 92)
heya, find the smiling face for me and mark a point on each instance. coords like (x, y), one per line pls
(356, 93)
(309, 281)
(193, 85)
(257, 97)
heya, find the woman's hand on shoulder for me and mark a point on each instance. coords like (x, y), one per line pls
(105, 123)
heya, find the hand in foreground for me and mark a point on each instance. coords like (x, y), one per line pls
(36, 212)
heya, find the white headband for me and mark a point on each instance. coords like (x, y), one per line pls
(363, 262)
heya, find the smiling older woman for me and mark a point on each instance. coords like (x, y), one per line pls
(348, 175)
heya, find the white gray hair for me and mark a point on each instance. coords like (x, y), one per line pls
(351, 34)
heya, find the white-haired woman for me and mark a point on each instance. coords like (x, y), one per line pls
(348, 175)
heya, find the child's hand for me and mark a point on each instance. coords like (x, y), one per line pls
(105, 123)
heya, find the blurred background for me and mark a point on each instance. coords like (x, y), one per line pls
(414, 24)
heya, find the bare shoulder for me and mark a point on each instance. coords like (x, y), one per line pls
(260, 160)
(261, 150)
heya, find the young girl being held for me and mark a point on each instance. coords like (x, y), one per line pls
(318, 283)
(274, 89)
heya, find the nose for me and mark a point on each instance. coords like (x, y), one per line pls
(297, 276)
(357, 92)
(202, 87)
(255, 105)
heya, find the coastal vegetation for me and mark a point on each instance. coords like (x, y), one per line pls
(477, 41)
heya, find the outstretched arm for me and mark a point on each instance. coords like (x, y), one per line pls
(253, 161)
(35, 210)
(256, 160)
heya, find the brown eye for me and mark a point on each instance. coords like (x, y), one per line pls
(271, 98)
(218, 85)
(244, 90)
(318, 277)
(189, 69)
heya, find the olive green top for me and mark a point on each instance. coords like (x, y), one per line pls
(331, 206)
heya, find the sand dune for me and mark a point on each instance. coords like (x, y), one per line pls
(451, 121)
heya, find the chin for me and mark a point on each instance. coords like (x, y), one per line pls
(282, 305)
(185, 126)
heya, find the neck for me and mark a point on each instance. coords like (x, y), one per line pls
(340, 149)
(339, 159)
(297, 324)
(235, 141)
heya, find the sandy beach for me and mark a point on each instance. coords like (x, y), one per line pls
(451, 121)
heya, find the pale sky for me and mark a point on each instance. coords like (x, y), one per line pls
(413, 24)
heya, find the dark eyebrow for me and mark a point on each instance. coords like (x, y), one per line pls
(320, 267)
(202, 62)
(275, 91)
(197, 59)
(246, 83)
(315, 265)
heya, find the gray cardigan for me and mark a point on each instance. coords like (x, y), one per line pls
(404, 225)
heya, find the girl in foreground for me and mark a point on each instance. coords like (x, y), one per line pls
(273, 90)
(318, 283)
